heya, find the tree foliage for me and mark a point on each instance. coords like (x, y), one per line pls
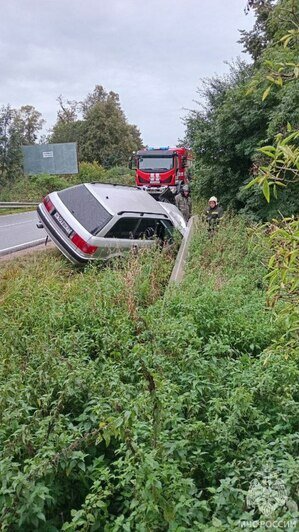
(273, 19)
(28, 121)
(99, 126)
(281, 169)
(245, 110)
(10, 144)
(256, 40)
(17, 127)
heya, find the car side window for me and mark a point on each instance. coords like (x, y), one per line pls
(124, 228)
(147, 228)
(141, 228)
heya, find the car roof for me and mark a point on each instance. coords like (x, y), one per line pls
(119, 199)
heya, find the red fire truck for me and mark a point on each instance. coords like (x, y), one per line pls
(162, 170)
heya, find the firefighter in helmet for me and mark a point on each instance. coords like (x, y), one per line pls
(213, 214)
(184, 203)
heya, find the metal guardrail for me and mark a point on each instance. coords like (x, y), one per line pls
(17, 204)
(20, 247)
(180, 263)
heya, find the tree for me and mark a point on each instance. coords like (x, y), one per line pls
(257, 39)
(68, 111)
(224, 134)
(99, 95)
(10, 144)
(280, 169)
(29, 122)
(108, 138)
(99, 126)
(17, 127)
(243, 111)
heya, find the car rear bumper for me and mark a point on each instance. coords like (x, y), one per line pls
(60, 242)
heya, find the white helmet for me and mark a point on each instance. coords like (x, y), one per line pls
(213, 198)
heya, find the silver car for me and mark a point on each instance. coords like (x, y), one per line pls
(95, 220)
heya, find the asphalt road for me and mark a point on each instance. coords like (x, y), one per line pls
(19, 231)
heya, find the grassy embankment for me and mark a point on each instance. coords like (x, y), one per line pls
(128, 407)
(4, 212)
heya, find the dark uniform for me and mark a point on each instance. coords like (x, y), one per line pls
(213, 216)
(184, 204)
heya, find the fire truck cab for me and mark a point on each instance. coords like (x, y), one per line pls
(161, 170)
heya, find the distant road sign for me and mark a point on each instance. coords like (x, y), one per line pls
(59, 158)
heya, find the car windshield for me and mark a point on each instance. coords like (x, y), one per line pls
(155, 164)
(85, 208)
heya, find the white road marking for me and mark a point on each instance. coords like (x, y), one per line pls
(18, 223)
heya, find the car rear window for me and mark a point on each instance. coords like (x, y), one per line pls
(85, 208)
(138, 228)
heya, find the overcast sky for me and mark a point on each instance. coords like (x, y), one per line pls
(152, 52)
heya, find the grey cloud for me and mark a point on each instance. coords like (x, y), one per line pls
(153, 53)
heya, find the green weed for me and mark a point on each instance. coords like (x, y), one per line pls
(127, 405)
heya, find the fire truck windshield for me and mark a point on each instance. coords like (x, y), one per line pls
(155, 164)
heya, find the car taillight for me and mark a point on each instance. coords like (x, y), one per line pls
(48, 204)
(81, 244)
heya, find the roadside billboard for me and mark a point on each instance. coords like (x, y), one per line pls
(59, 158)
